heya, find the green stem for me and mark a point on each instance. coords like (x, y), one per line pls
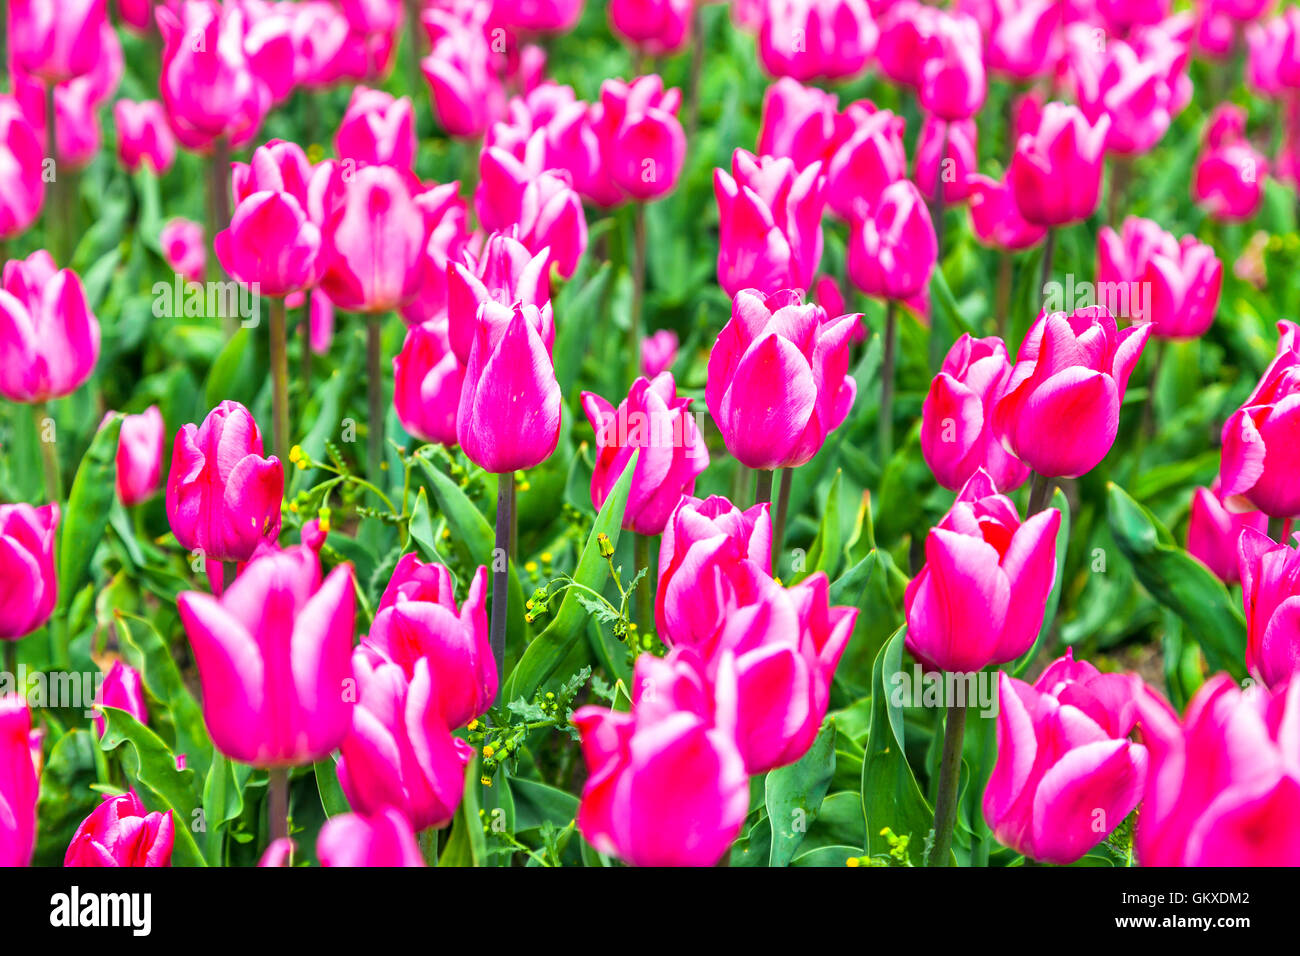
(219, 216)
(55, 192)
(638, 294)
(697, 71)
(644, 590)
(945, 805)
(763, 487)
(1040, 492)
(375, 392)
(11, 661)
(887, 385)
(277, 802)
(1048, 251)
(280, 380)
(229, 571)
(1149, 410)
(501, 571)
(49, 453)
(429, 846)
(1003, 301)
(778, 525)
(938, 198)
(305, 368)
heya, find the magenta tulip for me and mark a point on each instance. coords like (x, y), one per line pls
(467, 91)
(22, 185)
(995, 219)
(952, 81)
(123, 689)
(1055, 172)
(56, 41)
(446, 216)
(642, 147)
(657, 27)
(894, 249)
(866, 163)
(816, 39)
(659, 352)
(802, 123)
(377, 129)
(1228, 179)
(20, 756)
(1131, 90)
(30, 586)
(1213, 532)
(271, 244)
(143, 136)
(540, 205)
(427, 380)
(946, 156)
(1023, 37)
(1261, 442)
(505, 272)
(384, 839)
(49, 338)
(121, 832)
(1270, 588)
(184, 248)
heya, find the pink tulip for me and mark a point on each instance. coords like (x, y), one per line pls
(467, 92)
(666, 785)
(995, 219)
(377, 129)
(641, 142)
(1066, 773)
(140, 449)
(22, 158)
(279, 853)
(400, 752)
(223, 497)
(1055, 172)
(711, 552)
(271, 244)
(770, 234)
(1260, 444)
(1124, 15)
(446, 217)
(281, 166)
(979, 599)
(509, 414)
(659, 352)
(907, 30)
(816, 39)
(31, 586)
(76, 113)
(893, 251)
(1213, 531)
(1223, 788)
(1270, 588)
(504, 273)
(1180, 281)
(653, 422)
(274, 659)
(427, 380)
(123, 689)
(870, 160)
(56, 41)
(1023, 43)
(49, 338)
(1059, 411)
(946, 153)
(802, 123)
(1132, 91)
(539, 16)
(540, 205)
(1228, 180)
(657, 27)
(952, 81)
(20, 756)
(957, 417)
(384, 839)
(417, 620)
(184, 248)
(121, 832)
(143, 136)
(778, 379)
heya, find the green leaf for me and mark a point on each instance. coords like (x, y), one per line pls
(793, 795)
(538, 803)
(1062, 504)
(421, 528)
(466, 846)
(826, 549)
(89, 504)
(331, 791)
(222, 802)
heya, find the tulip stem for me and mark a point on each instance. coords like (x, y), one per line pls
(11, 662)
(1149, 409)
(638, 293)
(778, 525)
(229, 571)
(305, 368)
(49, 453)
(1049, 249)
(645, 588)
(375, 393)
(280, 381)
(277, 802)
(945, 805)
(55, 218)
(887, 386)
(763, 487)
(1040, 491)
(697, 71)
(219, 216)
(501, 572)
(938, 198)
(1002, 304)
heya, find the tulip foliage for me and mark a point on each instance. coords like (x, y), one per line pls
(501, 433)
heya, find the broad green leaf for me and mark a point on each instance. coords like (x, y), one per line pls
(83, 522)
(466, 846)
(826, 549)
(331, 791)
(794, 795)
(1062, 504)
(222, 802)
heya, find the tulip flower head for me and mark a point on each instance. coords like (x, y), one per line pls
(354, 839)
(1055, 172)
(31, 586)
(427, 379)
(20, 756)
(893, 249)
(123, 689)
(1270, 587)
(1258, 466)
(1213, 532)
(21, 165)
(49, 338)
(121, 832)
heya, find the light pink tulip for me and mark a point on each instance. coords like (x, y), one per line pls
(49, 338)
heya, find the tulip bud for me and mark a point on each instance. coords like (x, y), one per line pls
(427, 380)
(1270, 589)
(1213, 532)
(1260, 443)
(1055, 172)
(22, 154)
(184, 248)
(893, 251)
(659, 352)
(123, 689)
(143, 136)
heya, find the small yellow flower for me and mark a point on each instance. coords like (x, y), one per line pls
(853, 861)
(547, 557)
(531, 568)
(472, 725)
(295, 454)
(488, 751)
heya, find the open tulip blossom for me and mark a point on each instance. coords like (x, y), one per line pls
(546, 433)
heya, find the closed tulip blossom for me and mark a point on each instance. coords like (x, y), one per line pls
(869, 160)
(1228, 179)
(1023, 37)
(377, 129)
(659, 352)
(400, 751)
(995, 218)
(1067, 773)
(946, 158)
(20, 758)
(1173, 284)
(666, 783)
(540, 206)
(49, 338)
(121, 832)
(123, 689)
(505, 272)
(467, 91)
(778, 379)
(800, 122)
(184, 248)
(816, 39)
(31, 586)
(446, 217)
(1261, 441)
(274, 658)
(770, 230)
(1223, 788)
(658, 27)
(894, 249)
(907, 29)
(1131, 90)
(1213, 532)
(271, 244)
(143, 136)
(1059, 412)
(642, 146)
(509, 414)
(957, 437)
(1055, 171)
(952, 81)
(22, 186)
(1270, 587)
(427, 379)
(417, 619)
(56, 41)
(223, 497)
(384, 839)
(655, 424)
(541, 16)
(979, 599)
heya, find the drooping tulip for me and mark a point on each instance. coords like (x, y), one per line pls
(1261, 442)
(22, 185)
(427, 380)
(778, 379)
(49, 338)
(20, 755)
(31, 586)
(979, 599)
(1059, 411)
(354, 839)
(123, 689)
(274, 656)
(377, 129)
(1055, 171)
(1270, 589)
(894, 249)
(957, 437)
(1066, 773)
(184, 248)
(223, 497)
(121, 832)
(1213, 531)
(143, 136)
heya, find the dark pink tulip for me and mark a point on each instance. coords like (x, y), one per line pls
(642, 145)
(56, 41)
(467, 91)
(505, 272)
(778, 379)
(274, 658)
(816, 39)
(509, 414)
(143, 136)
(770, 233)
(539, 16)
(377, 129)
(427, 379)
(946, 153)
(1124, 15)
(952, 81)
(995, 219)
(1228, 180)
(1055, 172)
(979, 599)
(957, 418)
(278, 853)
(184, 248)
(1067, 773)
(446, 217)
(141, 445)
(1213, 530)
(400, 751)
(539, 204)
(20, 756)
(1270, 589)
(121, 832)
(31, 586)
(1222, 788)
(659, 27)
(136, 14)
(1059, 411)
(384, 839)
(711, 551)
(417, 619)
(658, 352)
(22, 186)
(271, 244)
(666, 784)
(1177, 283)
(1261, 443)
(866, 163)
(223, 497)
(658, 425)
(49, 338)
(801, 122)
(893, 250)
(906, 31)
(1023, 39)
(1131, 90)
(123, 689)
